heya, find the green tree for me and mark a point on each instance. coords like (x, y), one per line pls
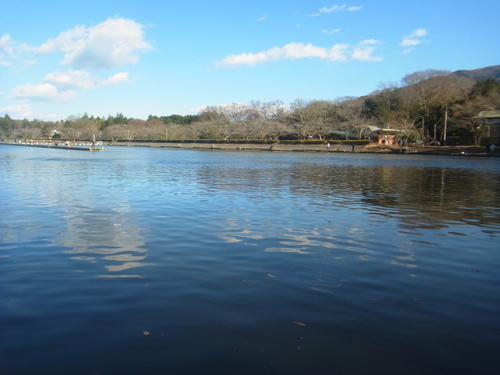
(120, 119)
(377, 109)
(483, 96)
(6, 126)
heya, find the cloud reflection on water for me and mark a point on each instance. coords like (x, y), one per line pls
(98, 226)
(113, 235)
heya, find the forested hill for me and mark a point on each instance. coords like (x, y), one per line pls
(480, 74)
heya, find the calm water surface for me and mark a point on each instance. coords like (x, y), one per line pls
(171, 261)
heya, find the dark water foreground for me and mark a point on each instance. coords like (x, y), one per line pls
(165, 261)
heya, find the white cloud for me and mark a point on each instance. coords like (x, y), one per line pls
(83, 79)
(413, 39)
(70, 78)
(113, 43)
(6, 44)
(299, 51)
(364, 54)
(66, 41)
(364, 51)
(12, 48)
(410, 42)
(290, 51)
(58, 87)
(369, 42)
(418, 33)
(17, 111)
(340, 8)
(43, 92)
(24, 111)
(339, 52)
(27, 63)
(110, 44)
(116, 79)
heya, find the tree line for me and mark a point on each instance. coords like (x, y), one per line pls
(429, 105)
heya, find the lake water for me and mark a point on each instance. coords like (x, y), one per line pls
(176, 261)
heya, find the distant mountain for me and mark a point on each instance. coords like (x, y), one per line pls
(483, 73)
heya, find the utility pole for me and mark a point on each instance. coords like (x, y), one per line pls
(423, 130)
(445, 124)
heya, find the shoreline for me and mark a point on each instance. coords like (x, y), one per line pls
(371, 148)
(290, 147)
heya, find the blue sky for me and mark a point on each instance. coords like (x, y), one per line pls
(61, 58)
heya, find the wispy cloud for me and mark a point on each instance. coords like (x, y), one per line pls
(116, 79)
(27, 63)
(363, 51)
(336, 8)
(59, 87)
(83, 79)
(413, 39)
(4, 63)
(330, 32)
(9, 50)
(340, 8)
(71, 79)
(43, 92)
(18, 111)
(6, 44)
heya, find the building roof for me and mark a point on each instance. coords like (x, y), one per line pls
(489, 114)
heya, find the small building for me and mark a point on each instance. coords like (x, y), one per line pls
(491, 119)
(388, 136)
(386, 139)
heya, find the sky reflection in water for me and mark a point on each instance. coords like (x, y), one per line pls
(217, 254)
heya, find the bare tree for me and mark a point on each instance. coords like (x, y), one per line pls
(430, 92)
(115, 132)
(272, 110)
(348, 115)
(301, 118)
(80, 128)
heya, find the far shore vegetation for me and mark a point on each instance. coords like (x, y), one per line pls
(430, 106)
